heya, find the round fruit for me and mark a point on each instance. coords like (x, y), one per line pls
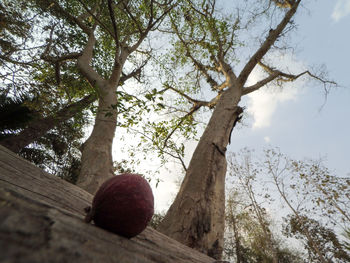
(124, 205)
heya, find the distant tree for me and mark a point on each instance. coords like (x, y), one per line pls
(250, 236)
(323, 238)
(303, 196)
(329, 193)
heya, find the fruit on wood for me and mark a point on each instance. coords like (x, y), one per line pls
(123, 204)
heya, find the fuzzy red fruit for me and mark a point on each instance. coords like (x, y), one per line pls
(123, 205)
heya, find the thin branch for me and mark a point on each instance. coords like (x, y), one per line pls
(96, 18)
(125, 6)
(281, 77)
(151, 26)
(182, 162)
(167, 86)
(162, 149)
(48, 46)
(62, 58)
(259, 84)
(70, 17)
(267, 44)
(202, 68)
(132, 74)
(190, 113)
(115, 29)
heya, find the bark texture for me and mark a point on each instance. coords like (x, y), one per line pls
(41, 220)
(40, 127)
(96, 160)
(197, 216)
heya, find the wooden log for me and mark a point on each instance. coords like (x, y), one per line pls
(41, 220)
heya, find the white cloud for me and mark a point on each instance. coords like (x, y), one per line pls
(267, 139)
(341, 9)
(263, 103)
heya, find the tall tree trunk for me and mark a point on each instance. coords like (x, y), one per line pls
(38, 128)
(197, 216)
(96, 159)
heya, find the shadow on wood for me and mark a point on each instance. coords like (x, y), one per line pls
(41, 221)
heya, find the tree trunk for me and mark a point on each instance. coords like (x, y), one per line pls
(197, 216)
(38, 128)
(96, 159)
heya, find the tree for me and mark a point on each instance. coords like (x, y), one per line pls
(292, 180)
(328, 192)
(81, 51)
(125, 26)
(250, 231)
(206, 47)
(57, 150)
(327, 242)
(40, 126)
(246, 177)
(281, 178)
(245, 239)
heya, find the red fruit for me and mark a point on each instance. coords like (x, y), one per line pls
(123, 205)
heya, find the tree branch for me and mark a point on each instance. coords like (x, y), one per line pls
(115, 29)
(62, 58)
(167, 86)
(84, 62)
(260, 84)
(70, 17)
(96, 18)
(196, 107)
(151, 25)
(202, 68)
(270, 40)
(282, 77)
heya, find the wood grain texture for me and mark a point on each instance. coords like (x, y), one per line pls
(41, 220)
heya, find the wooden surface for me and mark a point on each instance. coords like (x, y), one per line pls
(41, 220)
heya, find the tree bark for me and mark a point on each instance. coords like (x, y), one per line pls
(96, 159)
(197, 216)
(38, 128)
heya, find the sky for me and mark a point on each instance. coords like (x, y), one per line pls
(300, 120)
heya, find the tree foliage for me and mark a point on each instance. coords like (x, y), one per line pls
(325, 238)
(288, 185)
